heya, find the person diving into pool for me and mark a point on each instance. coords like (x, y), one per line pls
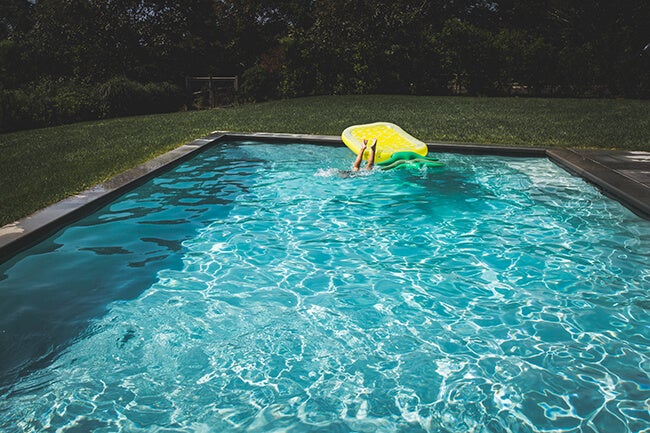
(371, 156)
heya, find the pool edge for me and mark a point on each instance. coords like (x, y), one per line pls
(630, 193)
(27, 231)
(21, 234)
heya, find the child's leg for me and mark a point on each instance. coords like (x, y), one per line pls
(371, 157)
(357, 162)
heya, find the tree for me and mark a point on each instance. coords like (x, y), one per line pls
(469, 55)
(15, 18)
(303, 47)
(599, 44)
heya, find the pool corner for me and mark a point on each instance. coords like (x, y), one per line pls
(622, 175)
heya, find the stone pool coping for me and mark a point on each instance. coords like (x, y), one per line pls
(624, 176)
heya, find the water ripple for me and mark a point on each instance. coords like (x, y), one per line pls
(498, 295)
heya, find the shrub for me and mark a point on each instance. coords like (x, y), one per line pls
(258, 84)
(50, 103)
(47, 103)
(163, 97)
(120, 96)
(74, 103)
(123, 97)
(23, 109)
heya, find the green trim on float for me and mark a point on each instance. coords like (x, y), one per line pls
(409, 160)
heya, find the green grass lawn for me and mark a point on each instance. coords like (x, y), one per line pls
(40, 167)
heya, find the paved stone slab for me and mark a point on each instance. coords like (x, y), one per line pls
(633, 164)
(623, 175)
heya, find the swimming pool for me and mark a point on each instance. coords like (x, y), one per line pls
(253, 288)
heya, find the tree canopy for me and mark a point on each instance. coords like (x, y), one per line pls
(304, 47)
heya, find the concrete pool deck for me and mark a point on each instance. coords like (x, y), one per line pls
(621, 175)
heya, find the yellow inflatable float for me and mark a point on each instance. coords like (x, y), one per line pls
(395, 147)
(390, 139)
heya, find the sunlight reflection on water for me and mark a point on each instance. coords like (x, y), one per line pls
(496, 294)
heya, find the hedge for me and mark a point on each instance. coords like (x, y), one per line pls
(53, 103)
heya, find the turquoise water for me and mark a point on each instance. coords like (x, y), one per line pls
(255, 289)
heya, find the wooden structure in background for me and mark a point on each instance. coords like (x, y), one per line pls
(212, 91)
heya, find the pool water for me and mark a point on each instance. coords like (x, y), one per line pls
(255, 288)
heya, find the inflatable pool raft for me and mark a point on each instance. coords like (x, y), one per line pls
(409, 160)
(390, 139)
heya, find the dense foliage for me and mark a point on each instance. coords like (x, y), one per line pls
(64, 60)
